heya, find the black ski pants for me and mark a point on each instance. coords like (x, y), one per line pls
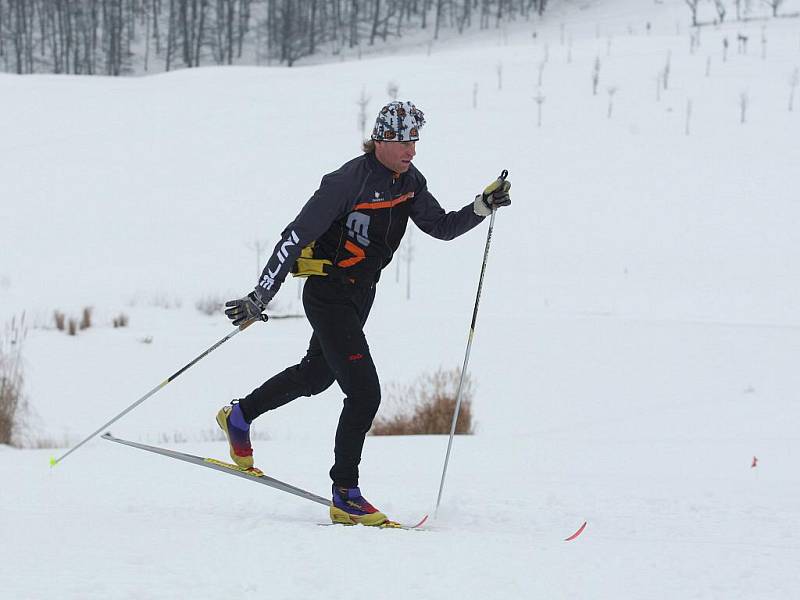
(338, 351)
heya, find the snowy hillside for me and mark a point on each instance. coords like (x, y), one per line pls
(635, 347)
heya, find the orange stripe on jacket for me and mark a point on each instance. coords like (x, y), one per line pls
(385, 204)
(356, 251)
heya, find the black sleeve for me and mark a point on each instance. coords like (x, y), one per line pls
(431, 218)
(333, 198)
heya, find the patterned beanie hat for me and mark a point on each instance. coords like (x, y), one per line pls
(398, 122)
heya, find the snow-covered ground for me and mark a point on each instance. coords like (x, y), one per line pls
(636, 345)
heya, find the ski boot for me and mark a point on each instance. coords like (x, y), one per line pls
(350, 508)
(231, 420)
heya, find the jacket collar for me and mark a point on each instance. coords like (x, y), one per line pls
(379, 168)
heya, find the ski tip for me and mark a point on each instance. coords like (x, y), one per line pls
(421, 523)
(577, 533)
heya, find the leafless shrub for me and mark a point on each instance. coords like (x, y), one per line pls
(427, 406)
(120, 321)
(148, 339)
(72, 327)
(210, 305)
(12, 402)
(165, 302)
(86, 318)
(59, 319)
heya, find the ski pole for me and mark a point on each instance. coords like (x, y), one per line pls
(242, 327)
(502, 177)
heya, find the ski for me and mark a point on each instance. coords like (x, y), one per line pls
(252, 474)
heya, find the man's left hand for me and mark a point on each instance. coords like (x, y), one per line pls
(495, 195)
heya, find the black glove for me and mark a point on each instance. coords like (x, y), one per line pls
(494, 196)
(245, 309)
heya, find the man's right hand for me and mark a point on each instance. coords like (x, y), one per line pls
(245, 309)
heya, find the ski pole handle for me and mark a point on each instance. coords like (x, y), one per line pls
(262, 317)
(503, 175)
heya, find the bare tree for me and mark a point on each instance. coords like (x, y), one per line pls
(693, 4)
(688, 115)
(659, 85)
(794, 80)
(744, 100)
(363, 102)
(117, 37)
(260, 248)
(595, 75)
(741, 43)
(721, 11)
(439, 11)
(774, 5)
(539, 99)
(612, 90)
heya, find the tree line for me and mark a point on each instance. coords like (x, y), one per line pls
(122, 37)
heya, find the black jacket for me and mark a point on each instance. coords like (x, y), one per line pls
(358, 217)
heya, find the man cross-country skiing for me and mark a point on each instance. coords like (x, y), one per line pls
(341, 240)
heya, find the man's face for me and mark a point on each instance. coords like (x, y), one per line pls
(395, 156)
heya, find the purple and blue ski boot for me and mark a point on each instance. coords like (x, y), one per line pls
(231, 420)
(350, 508)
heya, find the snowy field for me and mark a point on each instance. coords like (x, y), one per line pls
(636, 346)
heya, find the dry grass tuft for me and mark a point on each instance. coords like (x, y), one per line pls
(86, 318)
(12, 403)
(426, 406)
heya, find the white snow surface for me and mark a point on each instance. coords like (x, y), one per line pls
(636, 344)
